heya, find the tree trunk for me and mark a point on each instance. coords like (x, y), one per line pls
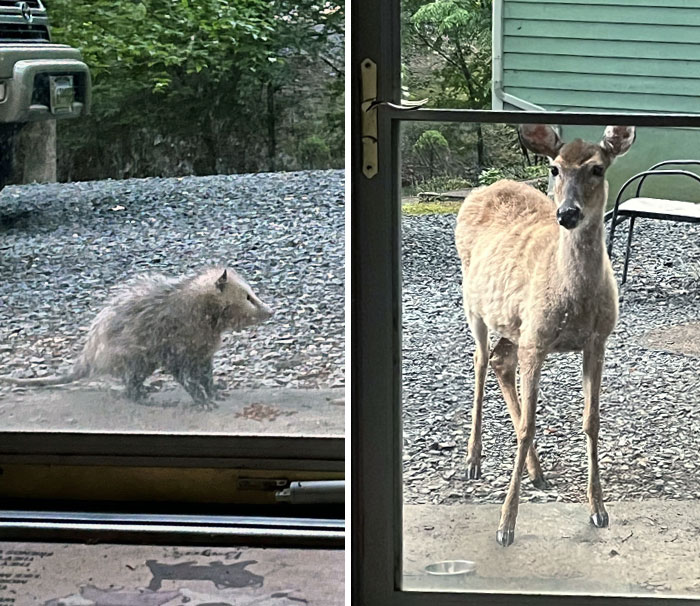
(207, 165)
(480, 160)
(271, 128)
(34, 149)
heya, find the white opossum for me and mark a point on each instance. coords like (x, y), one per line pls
(157, 322)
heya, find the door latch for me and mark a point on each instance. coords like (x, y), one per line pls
(369, 107)
(369, 118)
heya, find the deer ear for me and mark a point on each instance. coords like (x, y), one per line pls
(541, 139)
(221, 282)
(618, 139)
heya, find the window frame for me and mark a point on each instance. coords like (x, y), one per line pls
(188, 460)
(376, 318)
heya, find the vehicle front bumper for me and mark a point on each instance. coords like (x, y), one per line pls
(25, 99)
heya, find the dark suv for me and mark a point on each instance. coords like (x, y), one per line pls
(39, 80)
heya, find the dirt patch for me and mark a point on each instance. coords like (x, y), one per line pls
(683, 339)
(263, 412)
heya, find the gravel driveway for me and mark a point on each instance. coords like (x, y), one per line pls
(650, 418)
(62, 247)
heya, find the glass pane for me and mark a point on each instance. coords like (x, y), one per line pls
(536, 275)
(55, 574)
(203, 193)
(552, 54)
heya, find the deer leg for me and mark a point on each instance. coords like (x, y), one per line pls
(530, 360)
(481, 356)
(592, 373)
(504, 360)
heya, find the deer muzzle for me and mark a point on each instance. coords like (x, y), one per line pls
(569, 215)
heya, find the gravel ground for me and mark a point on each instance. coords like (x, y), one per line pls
(64, 245)
(650, 419)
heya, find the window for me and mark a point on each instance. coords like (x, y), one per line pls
(201, 197)
(412, 350)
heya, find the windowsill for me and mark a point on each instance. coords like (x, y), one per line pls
(556, 549)
(53, 574)
(304, 412)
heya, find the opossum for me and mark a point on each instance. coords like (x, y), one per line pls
(156, 322)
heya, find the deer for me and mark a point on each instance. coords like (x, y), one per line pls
(536, 274)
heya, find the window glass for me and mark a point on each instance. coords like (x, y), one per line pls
(179, 264)
(551, 54)
(647, 442)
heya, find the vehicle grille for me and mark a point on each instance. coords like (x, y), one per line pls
(34, 4)
(12, 32)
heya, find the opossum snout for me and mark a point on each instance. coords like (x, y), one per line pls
(264, 311)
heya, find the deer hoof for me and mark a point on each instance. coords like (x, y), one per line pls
(505, 536)
(473, 471)
(600, 520)
(540, 483)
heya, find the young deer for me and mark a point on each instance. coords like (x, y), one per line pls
(536, 272)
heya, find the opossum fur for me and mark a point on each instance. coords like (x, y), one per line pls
(156, 322)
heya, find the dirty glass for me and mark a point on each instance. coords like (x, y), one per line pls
(649, 422)
(546, 54)
(201, 199)
(53, 574)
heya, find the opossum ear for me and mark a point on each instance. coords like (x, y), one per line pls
(221, 282)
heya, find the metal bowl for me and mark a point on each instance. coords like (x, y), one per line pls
(451, 568)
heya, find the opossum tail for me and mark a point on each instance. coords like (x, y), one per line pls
(79, 371)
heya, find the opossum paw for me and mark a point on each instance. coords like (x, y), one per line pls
(206, 405)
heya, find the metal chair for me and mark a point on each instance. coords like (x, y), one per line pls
(652, 208)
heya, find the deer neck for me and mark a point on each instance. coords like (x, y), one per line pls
(581, 255)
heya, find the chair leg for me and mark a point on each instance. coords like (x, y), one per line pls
(629, 248)
(611, 236)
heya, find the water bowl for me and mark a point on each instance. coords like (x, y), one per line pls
(451, 568)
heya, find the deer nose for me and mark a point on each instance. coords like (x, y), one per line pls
(569, 216)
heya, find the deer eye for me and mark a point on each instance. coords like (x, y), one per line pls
(554, 170)
(597, 170)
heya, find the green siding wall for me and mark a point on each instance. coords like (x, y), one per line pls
(603, 55)
(567, 55)
(651, 146)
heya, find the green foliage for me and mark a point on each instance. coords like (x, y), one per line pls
(491, 175)
(315, 151)
(535, 171)
(526, 173)
(457, 35)
(199, 86)
(430, 208)
(431, 141)
(432, 150)
(446, 57)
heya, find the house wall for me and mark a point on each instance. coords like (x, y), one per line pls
(596, 55)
